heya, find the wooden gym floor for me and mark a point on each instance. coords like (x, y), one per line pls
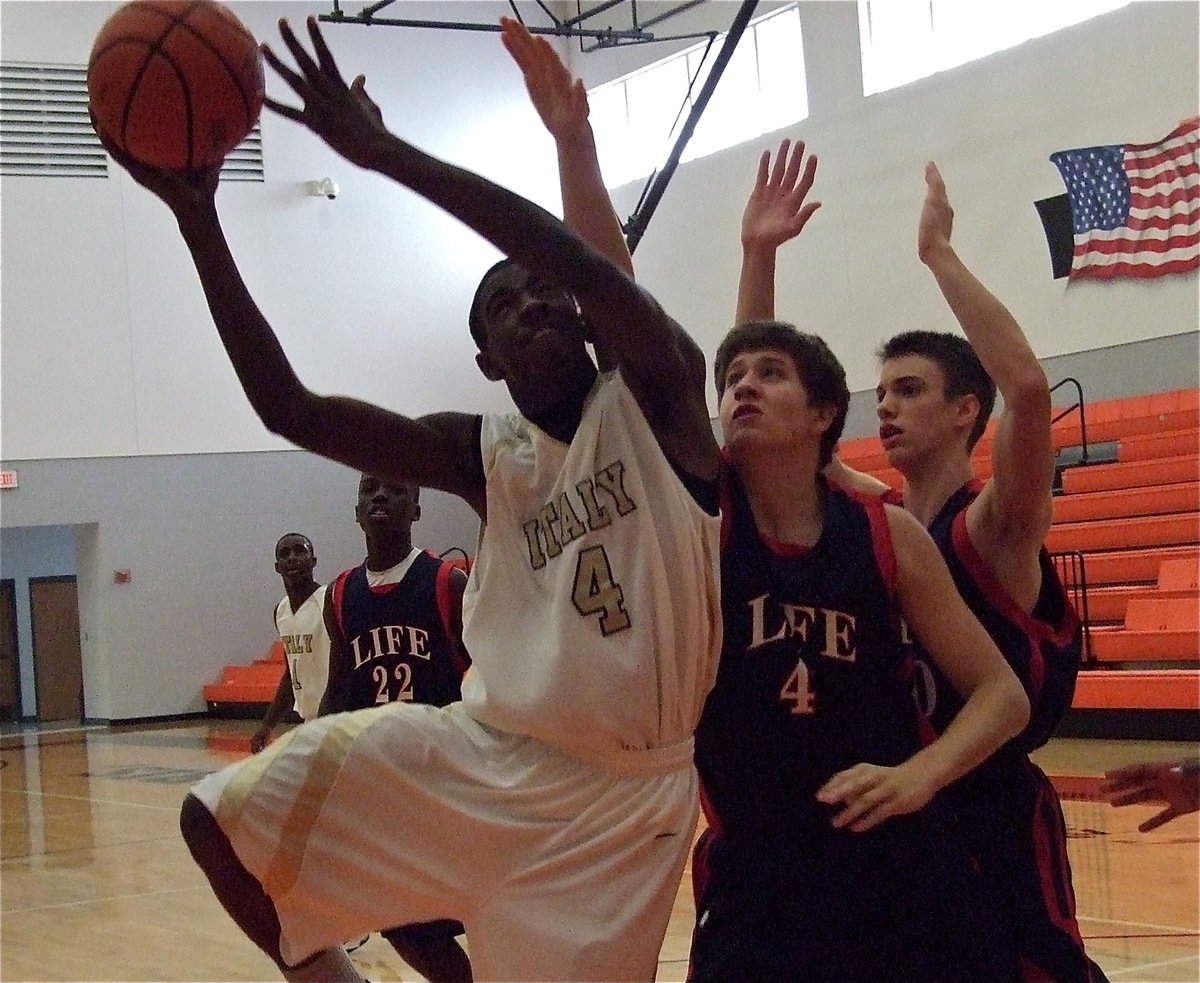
(96, 883)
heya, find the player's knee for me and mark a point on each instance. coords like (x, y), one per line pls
(200, 830)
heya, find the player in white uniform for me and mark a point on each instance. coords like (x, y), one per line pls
(552, 810)
(300, 623)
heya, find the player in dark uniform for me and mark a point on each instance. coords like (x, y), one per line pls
(396, 618)
(935, 395)
(1009, 810)
(825, 857)
(395, 630)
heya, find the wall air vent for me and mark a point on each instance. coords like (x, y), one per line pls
(45, 130)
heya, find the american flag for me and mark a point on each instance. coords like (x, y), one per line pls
(1135, 208)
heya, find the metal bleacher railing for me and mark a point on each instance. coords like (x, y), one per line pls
(1077, 405)
(1072, 571)
(1071, 564)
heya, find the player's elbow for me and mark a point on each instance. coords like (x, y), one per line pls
(284, 413)
(1014, 703)
(1028, 393)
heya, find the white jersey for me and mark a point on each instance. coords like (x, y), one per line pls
(306, 648)
(592, 610)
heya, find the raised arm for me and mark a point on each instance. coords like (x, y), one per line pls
(776, 211)
(1010, 518)
(663, 366)
(996, 706)
(438, 451)
(561, 102)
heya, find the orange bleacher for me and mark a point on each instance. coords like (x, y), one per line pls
(247, 688)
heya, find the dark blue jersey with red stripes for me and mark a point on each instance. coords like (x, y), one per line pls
(398, 640)
(1009, 813)
(1043, 646)
(812, 677)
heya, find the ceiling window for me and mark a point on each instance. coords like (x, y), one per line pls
(906, 40)
(637, 118)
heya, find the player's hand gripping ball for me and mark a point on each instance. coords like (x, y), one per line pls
(176, 84)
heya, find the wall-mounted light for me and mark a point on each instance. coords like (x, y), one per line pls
(325, 188)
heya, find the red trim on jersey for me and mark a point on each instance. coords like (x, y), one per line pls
(338, 589)
(1035, 630)
(445, 603)
(925, 731)
(881, 538)
(780, 548)
(1000, 598)
(1054, 872)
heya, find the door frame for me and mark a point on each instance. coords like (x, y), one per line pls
(8, 597)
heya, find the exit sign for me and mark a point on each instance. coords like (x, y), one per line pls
(8, 479)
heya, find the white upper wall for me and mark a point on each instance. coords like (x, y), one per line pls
(108, 348)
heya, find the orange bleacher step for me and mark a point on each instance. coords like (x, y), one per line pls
(1122, 503)
(1131, 474)
(1125, 645)
(256, 672)
(1159, 445)
(252, 683)
(1179, 574)
(1137, 566)
(252, 692)
(1164, 614)
(1180, 529)
(1109, 603)
(1138, 689)
(1069, 434)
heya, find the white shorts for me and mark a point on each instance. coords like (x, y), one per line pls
(559, 869)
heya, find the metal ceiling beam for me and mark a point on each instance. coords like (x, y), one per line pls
(635, 226)
(604, 37)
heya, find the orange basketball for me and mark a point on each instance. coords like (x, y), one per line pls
(176, 84)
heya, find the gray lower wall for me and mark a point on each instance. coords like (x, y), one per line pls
(197, 534)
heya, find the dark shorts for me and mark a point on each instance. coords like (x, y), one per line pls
(899, 906)
(423, 933)
(1013, 823)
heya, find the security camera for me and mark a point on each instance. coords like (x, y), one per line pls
(327, 186)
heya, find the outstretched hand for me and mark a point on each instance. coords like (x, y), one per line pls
(937, 217)
(560, 100)
(1176, 785)
(342, 115)
(180, 191)
(777, 210)
(870, 794)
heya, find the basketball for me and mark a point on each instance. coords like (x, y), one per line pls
(176, 84)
